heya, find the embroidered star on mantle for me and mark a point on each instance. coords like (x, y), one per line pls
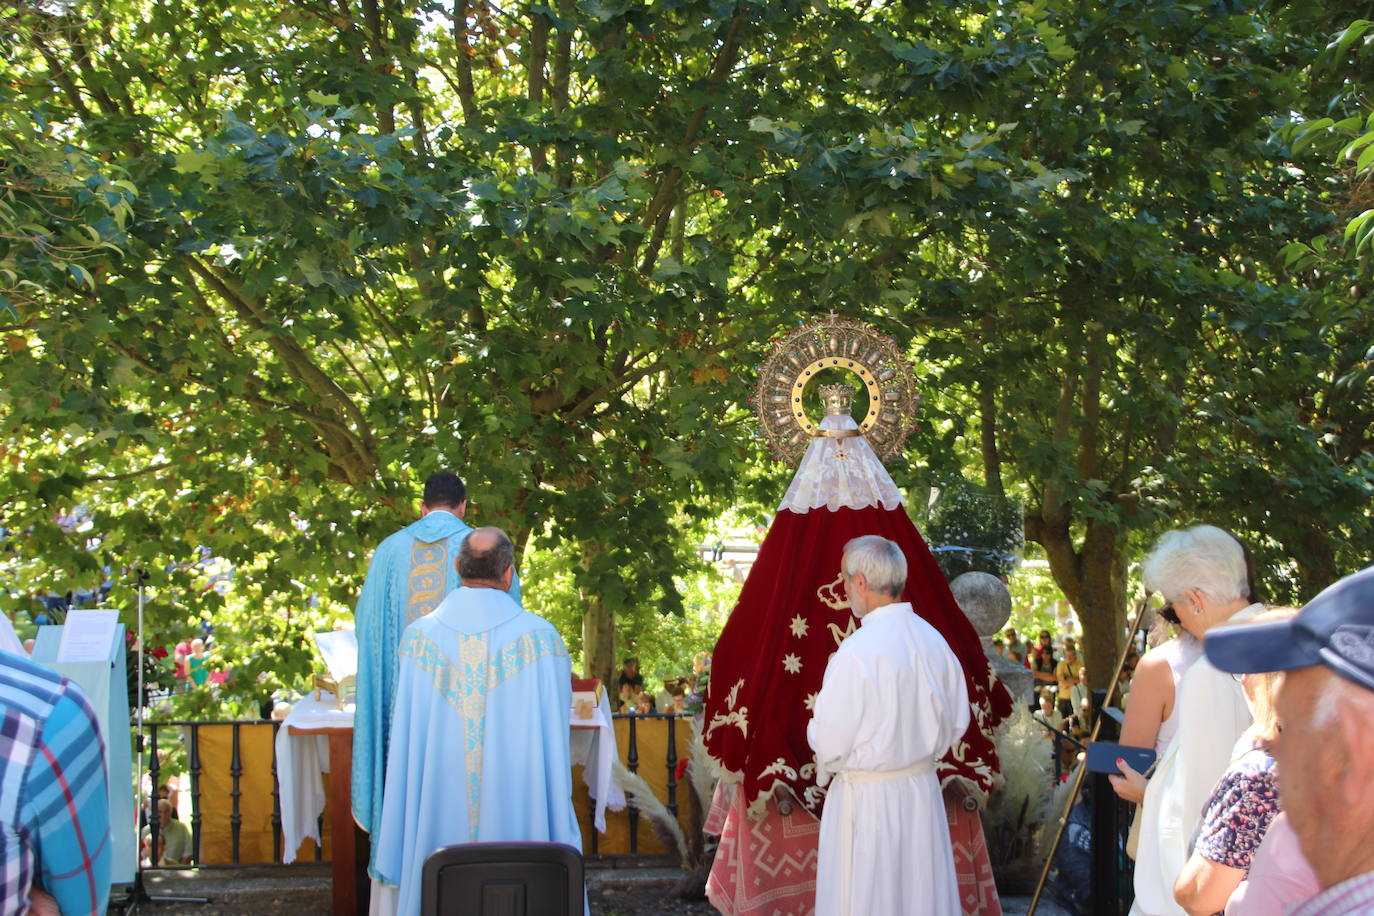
(792, 663)
(811, 701)
(799, 626)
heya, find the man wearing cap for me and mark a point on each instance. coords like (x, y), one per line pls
(1326, 717)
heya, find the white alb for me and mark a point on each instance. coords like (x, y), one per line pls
(893, 702)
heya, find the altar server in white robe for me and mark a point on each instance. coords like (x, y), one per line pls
(479, 734)
(892, 703)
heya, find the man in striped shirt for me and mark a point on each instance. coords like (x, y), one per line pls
(1326, 718)
(54, 805)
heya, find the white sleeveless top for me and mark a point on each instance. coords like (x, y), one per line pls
(1180, 652)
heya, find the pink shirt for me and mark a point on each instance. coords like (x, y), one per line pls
(1279, 875)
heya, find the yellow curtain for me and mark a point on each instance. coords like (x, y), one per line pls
(255, 799)
(651, 739)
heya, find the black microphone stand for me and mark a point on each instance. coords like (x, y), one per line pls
(138, 892)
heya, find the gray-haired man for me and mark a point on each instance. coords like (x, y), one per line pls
(1326, 715)
(892, 703)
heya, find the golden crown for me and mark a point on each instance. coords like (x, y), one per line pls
(837, 399)
(846, 345)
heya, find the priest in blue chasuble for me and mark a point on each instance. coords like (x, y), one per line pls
(479, 737)
(411, 572)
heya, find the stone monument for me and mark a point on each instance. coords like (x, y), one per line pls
(985, 601)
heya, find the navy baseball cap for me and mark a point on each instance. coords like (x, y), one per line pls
(1335, 629)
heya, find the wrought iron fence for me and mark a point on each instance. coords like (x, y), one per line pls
(1108, 889)
(189, 738)
(632, 764)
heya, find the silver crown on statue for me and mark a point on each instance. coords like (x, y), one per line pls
(837, 399)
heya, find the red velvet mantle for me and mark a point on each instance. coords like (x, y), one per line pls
(771, 656)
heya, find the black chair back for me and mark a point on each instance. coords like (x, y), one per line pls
(502, 879)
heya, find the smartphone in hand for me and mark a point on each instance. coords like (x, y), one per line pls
(1102, 757)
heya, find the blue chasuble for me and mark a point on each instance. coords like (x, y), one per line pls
(479, 740)
(410, 573)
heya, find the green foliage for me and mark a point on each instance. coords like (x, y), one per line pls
(663, 638)
(1113, 349)
(1035, 597)
(266, 267)
(971, 530)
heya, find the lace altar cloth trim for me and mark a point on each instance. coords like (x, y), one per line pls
(837, 473)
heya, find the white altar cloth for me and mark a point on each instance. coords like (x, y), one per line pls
(593, 747)
(302, 759)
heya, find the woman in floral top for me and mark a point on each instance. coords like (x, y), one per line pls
(1243, 804)
(1240, 810)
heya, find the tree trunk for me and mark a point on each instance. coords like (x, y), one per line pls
(1093, 578)
(598, 623)
(598, 643)
(1315, 557)
(1102, 602)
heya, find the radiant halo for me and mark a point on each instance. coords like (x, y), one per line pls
(834, 345)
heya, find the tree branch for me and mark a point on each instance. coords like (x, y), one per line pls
(663, 198)
(463, 54)
(128, 475)
(63, 78)
(1091, 401)
(362, 379)
(1054, 508)
(562, 71)
(656, 239)
(778, 246)
(987, 416)
(296, 360)
(376, 34)
(539, 55)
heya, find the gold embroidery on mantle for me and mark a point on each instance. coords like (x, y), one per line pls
(427, 578)
(832, 594)
(839, 633)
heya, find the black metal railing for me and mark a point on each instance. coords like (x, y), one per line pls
(1111, 871)
(189, 739)
(631, 755)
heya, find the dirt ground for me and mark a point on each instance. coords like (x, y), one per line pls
(613, 901)
(305, 892)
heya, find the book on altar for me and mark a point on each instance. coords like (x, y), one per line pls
(339, 648)
(587, 696)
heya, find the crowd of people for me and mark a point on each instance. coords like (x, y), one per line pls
(1060, 679)
(679, 694)
(1221, 825)
(1258, 802)
(1238, 743)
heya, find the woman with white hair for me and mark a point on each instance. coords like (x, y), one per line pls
(1203, 575)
